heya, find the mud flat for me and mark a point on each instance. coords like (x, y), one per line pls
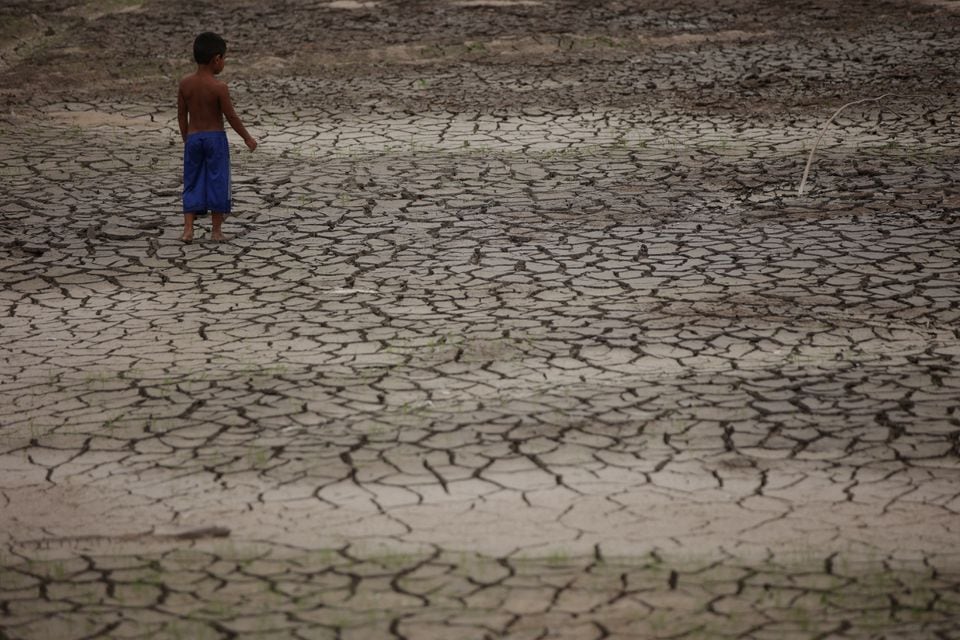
(522, 329)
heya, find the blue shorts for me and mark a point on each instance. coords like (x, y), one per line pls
(206, 173)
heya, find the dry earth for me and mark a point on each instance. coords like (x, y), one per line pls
(523, 329)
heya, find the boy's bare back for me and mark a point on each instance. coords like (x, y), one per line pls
(203, 102)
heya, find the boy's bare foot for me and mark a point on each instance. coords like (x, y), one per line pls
(187, 236)
(217, 234)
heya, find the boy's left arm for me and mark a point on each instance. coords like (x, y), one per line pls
(226, 106)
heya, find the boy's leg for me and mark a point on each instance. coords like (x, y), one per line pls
(187, 235)
(218, 181)
(193, 184)
(216, 234)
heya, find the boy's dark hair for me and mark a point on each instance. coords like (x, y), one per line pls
(207, 45)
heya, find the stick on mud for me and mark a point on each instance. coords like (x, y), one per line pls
(806, 170)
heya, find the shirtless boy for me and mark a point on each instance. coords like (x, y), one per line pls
(202, 103)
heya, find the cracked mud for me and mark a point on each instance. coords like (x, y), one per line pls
(522, 329)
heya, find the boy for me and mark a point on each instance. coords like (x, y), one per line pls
(202, 103)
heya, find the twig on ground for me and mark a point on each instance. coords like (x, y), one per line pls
(806, 170)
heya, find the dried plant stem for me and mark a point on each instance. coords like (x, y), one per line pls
(806, 170)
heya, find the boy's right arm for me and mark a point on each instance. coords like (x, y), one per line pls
(182, 117)
(226, 105)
